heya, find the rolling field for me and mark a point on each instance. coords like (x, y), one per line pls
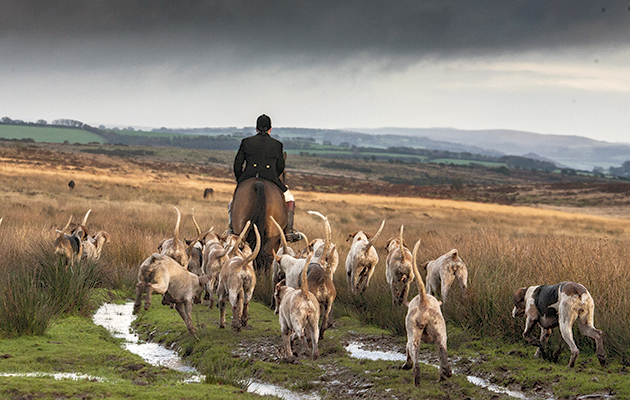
(47, 134)
(504, 247)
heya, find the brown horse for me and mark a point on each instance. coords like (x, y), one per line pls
(257, 199)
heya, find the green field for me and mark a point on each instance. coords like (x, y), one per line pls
(170, 135)
(48, 134)
(467, 162)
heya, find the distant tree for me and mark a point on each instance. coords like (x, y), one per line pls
(624, 170)
(68, 122)
(526, 163)
(598, 170)
(41, 122)
(6, 120)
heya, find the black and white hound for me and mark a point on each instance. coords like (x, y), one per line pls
(558, 305)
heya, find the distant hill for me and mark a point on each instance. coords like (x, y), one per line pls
(573, 151)
(564, 151)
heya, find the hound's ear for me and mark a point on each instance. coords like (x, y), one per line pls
(331, 254)
(204, 279)
(424, 266)
(454, 254)
(351, 236)
(161, 243)
(519, 295)
(388, 243)
(404, 243)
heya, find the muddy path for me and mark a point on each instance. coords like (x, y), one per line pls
(380, 354)
(359, 362)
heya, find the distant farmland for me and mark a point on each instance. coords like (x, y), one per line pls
(48, 134)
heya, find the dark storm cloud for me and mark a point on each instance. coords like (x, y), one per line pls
(326, 28)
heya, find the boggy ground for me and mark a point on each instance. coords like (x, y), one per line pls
(254, 353)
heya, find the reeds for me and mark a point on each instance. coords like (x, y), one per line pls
(38, 287)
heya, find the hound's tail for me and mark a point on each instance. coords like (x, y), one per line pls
(197, 239)
(422, 292)
(304, 276)
(238, 241)
(256, 250)
(371, 241)
(402, 247)
(283, 239)
(63, 231)
(195, 222)
(179, 218)
(327, 243)
(87, 214)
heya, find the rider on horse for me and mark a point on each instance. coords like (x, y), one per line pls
(263, 157)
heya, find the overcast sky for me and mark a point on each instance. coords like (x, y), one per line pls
(545, 66)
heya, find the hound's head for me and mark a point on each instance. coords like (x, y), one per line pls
(519, 302)
(278, 293)
(79, 231)
(394, 243)
(358, 235)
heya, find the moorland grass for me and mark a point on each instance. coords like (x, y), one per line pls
(503, 247)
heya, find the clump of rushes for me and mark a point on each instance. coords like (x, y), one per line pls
(24, 308)
(67, 287)
(40, 287)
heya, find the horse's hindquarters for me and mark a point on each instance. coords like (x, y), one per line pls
(255, 200)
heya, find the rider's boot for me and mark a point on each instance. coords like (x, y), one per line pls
(291, 234)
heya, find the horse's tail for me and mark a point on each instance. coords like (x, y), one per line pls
(259, 218)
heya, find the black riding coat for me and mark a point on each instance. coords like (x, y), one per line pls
(260, 156)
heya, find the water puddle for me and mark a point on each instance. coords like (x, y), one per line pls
(117, 319)
(266, 389)
(56, 375)
(356, 351)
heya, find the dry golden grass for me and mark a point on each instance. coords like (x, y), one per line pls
(504, 247)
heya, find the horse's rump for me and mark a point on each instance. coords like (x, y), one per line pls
(255, 200)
